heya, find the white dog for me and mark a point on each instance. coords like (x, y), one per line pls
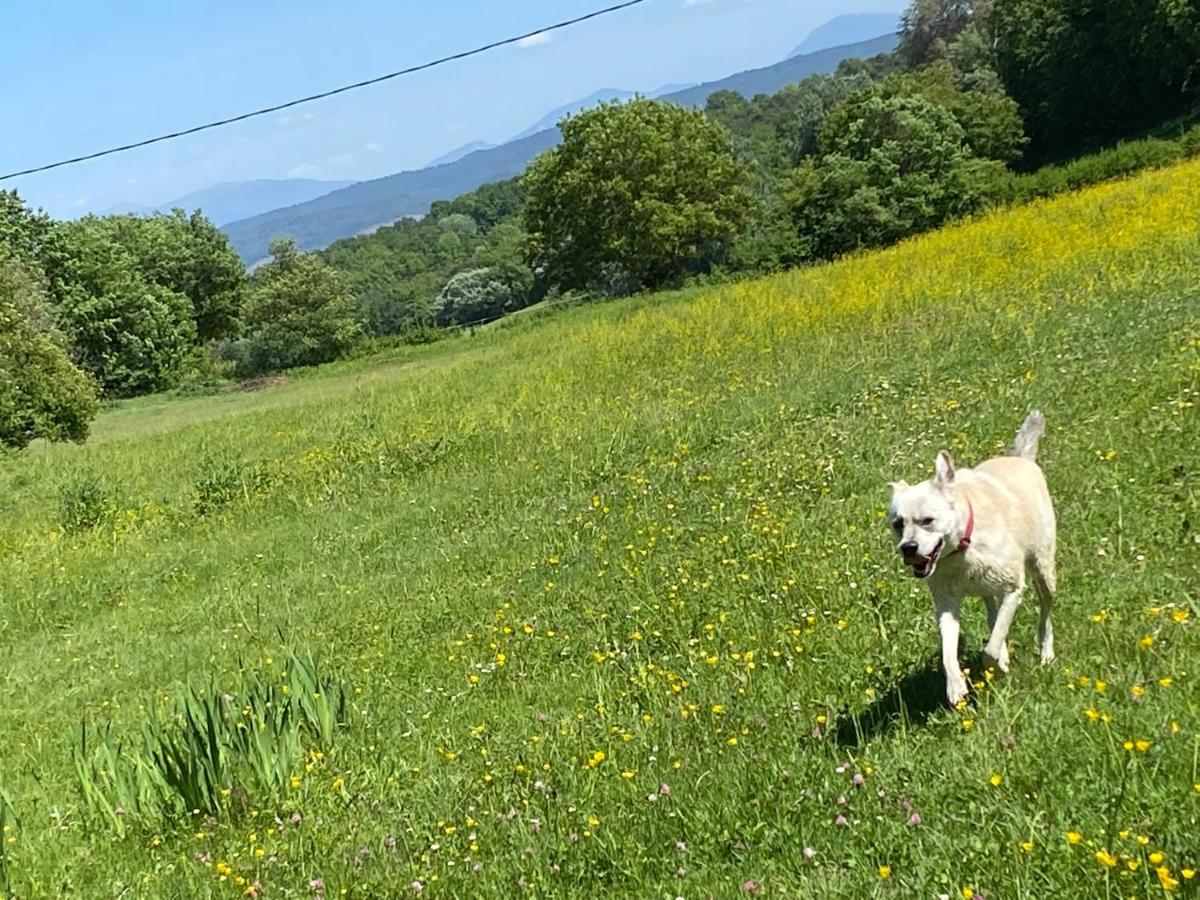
(979, 532)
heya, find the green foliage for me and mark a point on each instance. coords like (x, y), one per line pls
(216, 751)
(990, 119)
(84, 501)
(189, 255)
(42, 393)
(1085, 71)
(29, 236)
(899, 166)
(482, 294)
(397, 274)
(637, 195)
(1126, 158)
(775, 131)
(933, 30)
(299, 313)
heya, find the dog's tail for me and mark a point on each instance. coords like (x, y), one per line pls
(1026, 443)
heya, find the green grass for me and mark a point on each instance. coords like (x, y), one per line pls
(613, 603)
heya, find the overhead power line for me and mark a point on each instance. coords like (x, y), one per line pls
(340, 90)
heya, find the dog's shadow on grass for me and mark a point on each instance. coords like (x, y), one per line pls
(910, 702)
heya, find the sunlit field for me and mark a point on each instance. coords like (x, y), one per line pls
(612, 604)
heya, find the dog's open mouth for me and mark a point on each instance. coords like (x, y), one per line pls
(922, 566)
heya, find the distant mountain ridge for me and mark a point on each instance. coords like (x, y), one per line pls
(851, 28)
(604, 95)
(233, 200)
(342, 213)
(458, 153)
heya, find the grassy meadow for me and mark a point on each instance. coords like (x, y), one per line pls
(613, 605)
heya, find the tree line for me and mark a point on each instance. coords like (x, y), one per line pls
(637, 196)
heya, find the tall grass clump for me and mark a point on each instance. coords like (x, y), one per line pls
(211, 751)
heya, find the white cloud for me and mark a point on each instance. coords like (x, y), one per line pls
(534, 40)
(302, 170)
(372, 147)
(293, 118)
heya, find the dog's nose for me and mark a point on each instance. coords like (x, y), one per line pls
(908, 548)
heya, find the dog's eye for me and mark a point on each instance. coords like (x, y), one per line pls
(897, 524)
(927, 521)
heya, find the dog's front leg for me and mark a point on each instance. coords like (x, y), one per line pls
(997, 645)
(947, 609)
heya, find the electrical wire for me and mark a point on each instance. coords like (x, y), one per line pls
(340, 90)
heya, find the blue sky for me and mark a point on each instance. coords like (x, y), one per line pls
(80, 75)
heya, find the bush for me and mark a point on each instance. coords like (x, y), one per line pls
(42, 394)
(299, 313)
(1115, 162)
(479, 295)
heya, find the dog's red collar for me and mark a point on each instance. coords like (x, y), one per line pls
(965, 541)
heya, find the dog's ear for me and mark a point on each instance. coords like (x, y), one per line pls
(898, 486)
(944, 467)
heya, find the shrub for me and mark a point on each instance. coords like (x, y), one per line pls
(42, 394)
(478, 295)
(299, 313)
(1114, 162)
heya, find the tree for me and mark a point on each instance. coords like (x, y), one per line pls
(930, 29)
(186, 255)
(299, 312)
(637, 195)
(481, 294)
(42, 394)
(131, 333)
(990, 119)
(28, 236)
(900, 167)
(1083, 71)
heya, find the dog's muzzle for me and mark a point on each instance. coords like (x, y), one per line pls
(922, 566)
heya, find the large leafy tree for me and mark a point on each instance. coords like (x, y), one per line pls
(130, 332)
(990, 119)
(899, 166)
(299, 312)
(1083, 70)
(636, 195)
(42, 394)
(187, 255)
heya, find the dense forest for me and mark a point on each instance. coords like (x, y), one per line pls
(984, 102)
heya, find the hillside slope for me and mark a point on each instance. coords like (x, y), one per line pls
(614, 604)
(367, 204)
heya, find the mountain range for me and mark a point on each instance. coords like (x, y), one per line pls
(365, 205)
(848, 29)
(234, 200)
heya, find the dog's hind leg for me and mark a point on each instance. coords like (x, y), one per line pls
(997, 645)
(1045, 584)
